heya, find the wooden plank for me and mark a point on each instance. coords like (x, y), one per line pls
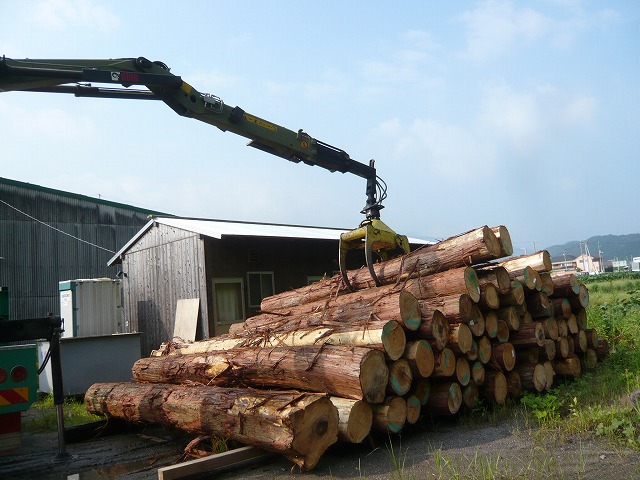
(232, 459)
(186, 322)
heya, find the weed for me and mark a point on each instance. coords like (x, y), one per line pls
(42, 416)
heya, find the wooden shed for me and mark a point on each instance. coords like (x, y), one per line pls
(228, 266)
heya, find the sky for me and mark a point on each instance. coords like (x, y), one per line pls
(498, 112)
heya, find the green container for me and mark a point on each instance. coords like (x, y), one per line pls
(18, 392)
(4, 303)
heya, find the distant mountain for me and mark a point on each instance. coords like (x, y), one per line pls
(613, 246)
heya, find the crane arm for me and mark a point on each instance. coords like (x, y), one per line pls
(57, 76)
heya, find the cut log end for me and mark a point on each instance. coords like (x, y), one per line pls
(374, 376)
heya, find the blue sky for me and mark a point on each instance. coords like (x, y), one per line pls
(524, 114)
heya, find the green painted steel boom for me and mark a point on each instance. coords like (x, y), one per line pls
(78, 77)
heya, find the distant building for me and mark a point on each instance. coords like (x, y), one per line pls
(620, 266)
(635, 264)
(581, 264)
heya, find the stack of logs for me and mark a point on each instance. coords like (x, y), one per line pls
(451, 326)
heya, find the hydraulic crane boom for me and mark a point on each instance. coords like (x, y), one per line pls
(78, 76)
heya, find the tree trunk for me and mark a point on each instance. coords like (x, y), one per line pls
(549, 349)
(496, 275)
(457, 281)
(510, 316)
(435, 329)
(460, 338)
(354, 419)
(502, 234)
(444, 363)
(489, 297)
(514, 384)
(298, 425)
(581, 300)
(539, 261)
(539, 305)
(457, 308)
(565, 285)
(568, 367)
(547, 283)
(504, 355)
(476, 246)
(529, 335)
(350, 372)
(445, 399)
(561, 306)
(550, 326)
(532, 376)
(513, 296)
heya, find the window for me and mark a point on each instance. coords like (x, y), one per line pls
(228, 300)
(260, 286)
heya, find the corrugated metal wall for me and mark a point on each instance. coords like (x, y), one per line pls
(166, 264)
(37, 257)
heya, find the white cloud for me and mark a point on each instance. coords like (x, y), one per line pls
(67, 13)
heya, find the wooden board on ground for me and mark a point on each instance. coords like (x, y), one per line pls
(187, 311)
(235, 458)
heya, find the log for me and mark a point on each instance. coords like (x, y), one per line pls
(503, 332)
(549, 349)
(526, 318)
(528, 355)
(460, 338)
(549, 374)
(444, 363)
(550, 326)
(529, 335)
(539, 305)
(565, 285)
(350, 372)
(297, 425)
(539, 261)
(562, 306)
(514, 384)
(390, 416)
(495, 387)
(382, 304)
(592, 338)
(414, 407)
(420, 356)
(470, 395)
(456, 308)
(589, 359)
(484, 350)
(476, 246)
(532, 376)
(400, 377)
(355, 419)
(477, 373)
(463, 371)
(457, 281)
(389, 337)
(563, 329)
(580, 341)
(504, 355)
(510, 316)
(422, 390)
(477, 324)
(514, 296)
(491, 324)
(435, 329)
(572, 324)
(529, 278)
(472, 355)
(496, 275)
(568, 367)
(572, 345)
(581, 300)
(547, 283)
(489, 297)
(502, 234)
(581, 318)
(603, 349)
(445, 398)
(562, 348)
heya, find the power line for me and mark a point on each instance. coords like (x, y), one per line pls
(54, 228)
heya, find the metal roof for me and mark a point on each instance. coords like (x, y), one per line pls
(224, 228)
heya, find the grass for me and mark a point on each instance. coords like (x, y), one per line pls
(42, 416)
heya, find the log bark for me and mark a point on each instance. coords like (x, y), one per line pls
(297, 425)
(457, 281)
(514, 384)
(350, 372)
(445, 398)
(420, 356)
(390, 416)
(456, 308)
(473, 247)
(495, 387)
(389, 337)
(355, 419)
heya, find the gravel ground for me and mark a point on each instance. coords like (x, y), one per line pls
(447, 450)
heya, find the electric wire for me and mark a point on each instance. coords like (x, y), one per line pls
(54, 228)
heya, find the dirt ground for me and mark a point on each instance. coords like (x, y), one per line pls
(445, 450)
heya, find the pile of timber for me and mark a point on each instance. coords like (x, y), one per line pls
(454, 325)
